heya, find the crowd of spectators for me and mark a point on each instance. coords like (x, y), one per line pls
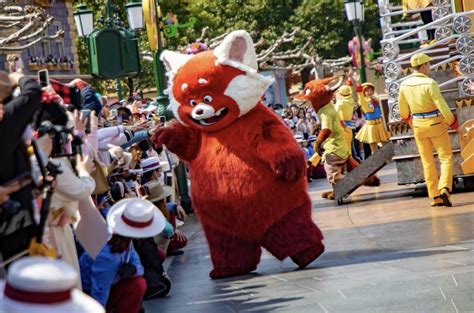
(82, 182)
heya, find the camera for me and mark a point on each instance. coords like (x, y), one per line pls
(60, 136)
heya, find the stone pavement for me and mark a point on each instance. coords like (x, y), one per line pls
(387, 250)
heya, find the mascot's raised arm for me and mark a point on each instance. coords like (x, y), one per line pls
(247, 172)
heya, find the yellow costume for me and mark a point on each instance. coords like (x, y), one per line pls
(335, 144)
(345, 108)
(421, 97)
(373, 132)
(336, 152)
(414, 4)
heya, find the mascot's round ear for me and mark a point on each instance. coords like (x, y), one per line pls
(237, 49)
(173, 60)
(334, 83)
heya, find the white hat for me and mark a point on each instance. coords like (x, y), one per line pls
(148, 109)
(150, 164)
(135, 218)
(42, 285)
(299, 138)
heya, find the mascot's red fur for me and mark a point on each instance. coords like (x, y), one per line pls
(247, 173)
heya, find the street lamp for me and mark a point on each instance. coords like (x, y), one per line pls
(134, 14)
(113, 50)
(83, 18)
(355, 14)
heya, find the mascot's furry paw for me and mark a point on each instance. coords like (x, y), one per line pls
(168, 136)
(229, 272)
(290, 167)
(304, 258)
(328, 195)
(178, 139)
(372, 181)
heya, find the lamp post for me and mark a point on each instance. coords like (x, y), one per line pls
(355, 14)
(112, 38)
(159, 68)
(155, 29)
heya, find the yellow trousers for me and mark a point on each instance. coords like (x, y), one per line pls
(348, 138)
(433, 133)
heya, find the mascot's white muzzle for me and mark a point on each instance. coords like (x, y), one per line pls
(202, 112)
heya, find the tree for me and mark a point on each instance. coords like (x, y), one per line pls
(22, 27)
(323, 21)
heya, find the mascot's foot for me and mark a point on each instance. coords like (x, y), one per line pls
(328, 195)
(307, 256)
(372, 181)
(229, 272)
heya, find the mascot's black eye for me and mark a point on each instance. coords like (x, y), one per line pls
(192, 102)
(207, 99)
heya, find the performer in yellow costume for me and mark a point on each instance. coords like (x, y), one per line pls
(345, 108)
(422, 105)
(426, 16)
(373, 132)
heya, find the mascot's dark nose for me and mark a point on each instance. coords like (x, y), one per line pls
(199, 111)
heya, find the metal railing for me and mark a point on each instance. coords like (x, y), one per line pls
(454, 80)
(406, 56)
(427, 26)
(401, 12)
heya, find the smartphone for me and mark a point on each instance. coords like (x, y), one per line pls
(43, 78)
(23, 180)
(86, 116)
(163, 120)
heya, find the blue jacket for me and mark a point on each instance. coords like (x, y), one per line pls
(99, 275)
(91, 101)
(137, 137)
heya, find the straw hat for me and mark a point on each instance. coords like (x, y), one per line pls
(6, 85)
(42, 285)
(157, 191)
(135, 218)
(368, 85)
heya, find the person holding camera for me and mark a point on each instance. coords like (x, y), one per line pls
(73, 184)
(17, 226)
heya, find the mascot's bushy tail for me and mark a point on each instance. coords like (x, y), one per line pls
(372, 181)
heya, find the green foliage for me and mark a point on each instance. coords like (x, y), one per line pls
(323, 20)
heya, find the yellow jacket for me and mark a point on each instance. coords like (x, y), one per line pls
(421, 94)
(329, 119)
(414, 4)
(345, 108)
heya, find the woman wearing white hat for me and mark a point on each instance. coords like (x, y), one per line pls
(114, 277)
(42, 285)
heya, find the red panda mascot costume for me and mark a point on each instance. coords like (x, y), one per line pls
(248, 174)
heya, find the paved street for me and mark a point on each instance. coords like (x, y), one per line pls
(387, 250)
